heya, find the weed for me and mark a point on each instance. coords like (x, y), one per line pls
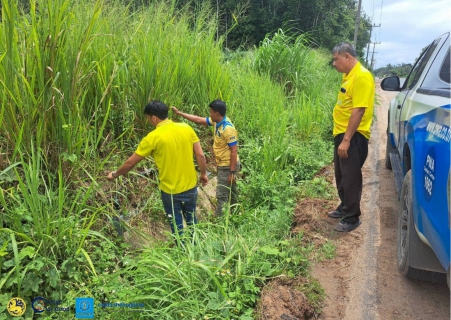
(326, 251)
(318, 187)
(314, 293)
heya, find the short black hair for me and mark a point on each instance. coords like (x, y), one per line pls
(218, 106)
(344, 47)
(156, 108)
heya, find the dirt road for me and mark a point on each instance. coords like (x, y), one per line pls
(363, 281)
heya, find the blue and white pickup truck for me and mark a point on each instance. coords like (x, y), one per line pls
(418, 151)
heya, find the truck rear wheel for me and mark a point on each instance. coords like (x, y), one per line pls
(387, 155)
(388, 148)
(405, 226)
(410, 247)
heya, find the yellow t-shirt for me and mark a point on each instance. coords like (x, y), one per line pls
(225, 136)
(171, 146)
(357, 91)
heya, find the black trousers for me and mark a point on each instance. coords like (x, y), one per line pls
(348, 175)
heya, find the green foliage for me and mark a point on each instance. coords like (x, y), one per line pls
(266, 193)
(327, 251)
(318, 187)
(314, 293)
(245, 24)
(95, 66)
(292, 92)
(308, 158)
(218, 274)
(292, 63)
(49, 246)
(400, 70)
(298, 161)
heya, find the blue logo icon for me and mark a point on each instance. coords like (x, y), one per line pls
(41, 304)
(38, 304)
(84, 308)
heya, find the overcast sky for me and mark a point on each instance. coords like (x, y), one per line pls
(407, 26)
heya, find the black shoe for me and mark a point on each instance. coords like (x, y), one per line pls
(335, 214)
(344, 226)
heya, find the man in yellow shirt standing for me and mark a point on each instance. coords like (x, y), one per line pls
(172, 146)
(352, 115)
(225, 147)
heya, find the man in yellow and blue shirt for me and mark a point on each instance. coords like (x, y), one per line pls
(225, 148)
(172, 146)
(352, 115)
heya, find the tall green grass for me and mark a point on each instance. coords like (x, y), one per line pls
(49, 225)
(283, 101)
(219, 272)
(295, 64)
(93, 65)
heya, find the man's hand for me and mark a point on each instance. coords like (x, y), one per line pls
(203, 179)
(110, 176)
(354, 122)
(343, 149)
(175, 110)
(128, 165)
(231, 179)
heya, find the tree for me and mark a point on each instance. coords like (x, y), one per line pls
(326, 21)
(401, 70)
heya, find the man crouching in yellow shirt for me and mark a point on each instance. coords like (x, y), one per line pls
(225, 147)
(172, 146)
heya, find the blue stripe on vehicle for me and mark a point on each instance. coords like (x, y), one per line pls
(428, 136)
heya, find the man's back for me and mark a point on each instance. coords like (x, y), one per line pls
(171, 146)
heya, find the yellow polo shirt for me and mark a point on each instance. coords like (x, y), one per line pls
(357, 91)
(171, 146)
(226, 136)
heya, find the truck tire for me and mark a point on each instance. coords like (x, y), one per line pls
(388, 148)
(405, 224)
(408, 238)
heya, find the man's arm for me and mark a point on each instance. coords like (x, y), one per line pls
(233, 157)
(200, 158)
(128, 165)
(354, 122)
(190, 117)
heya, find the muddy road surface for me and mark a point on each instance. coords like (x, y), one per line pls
(362, 281)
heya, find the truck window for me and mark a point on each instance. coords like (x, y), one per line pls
(420, 65)
(444, 70)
